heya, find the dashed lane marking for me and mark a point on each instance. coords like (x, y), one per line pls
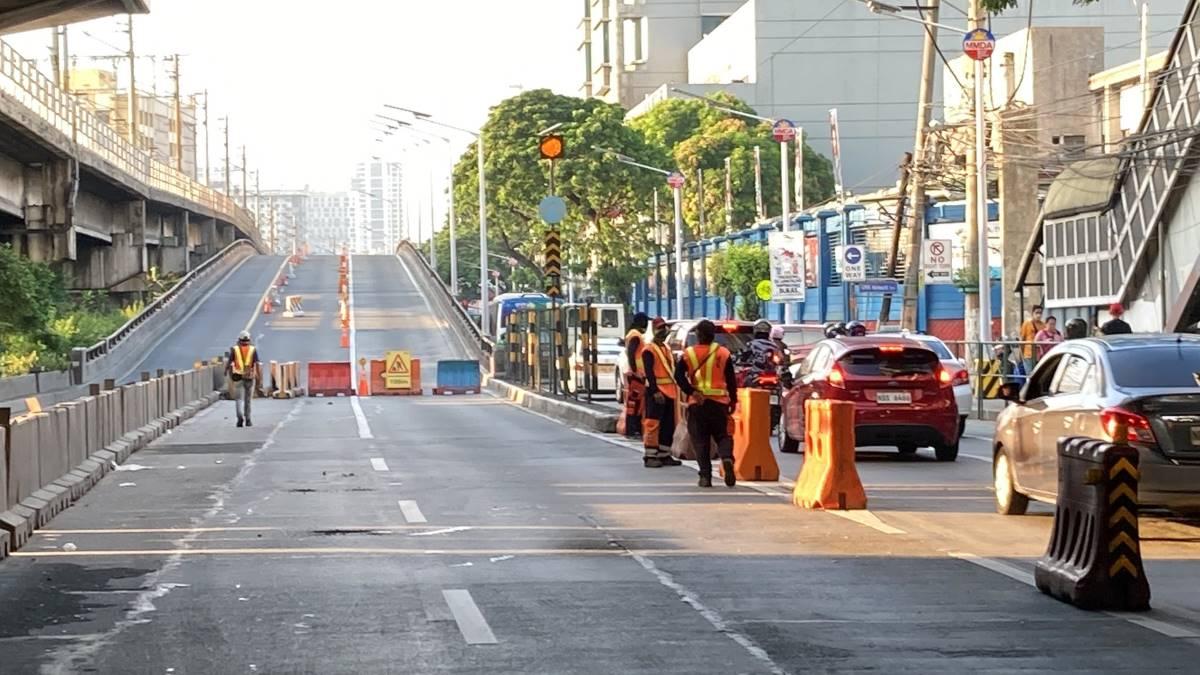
(471, 624)
(378, 464)
(364, 429)
(411, 512)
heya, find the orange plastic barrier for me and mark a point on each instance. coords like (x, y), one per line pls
(330, 378)
(753, 458)
(379, 385)
(829, 479)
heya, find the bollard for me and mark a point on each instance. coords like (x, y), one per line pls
(828, 479)
(1093, 560)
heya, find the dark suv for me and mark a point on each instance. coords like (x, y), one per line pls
(902, 394)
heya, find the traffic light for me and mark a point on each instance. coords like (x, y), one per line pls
(551, 146)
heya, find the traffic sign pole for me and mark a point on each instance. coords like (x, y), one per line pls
(677, 189)
(784, 131)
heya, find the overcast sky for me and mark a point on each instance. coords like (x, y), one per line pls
(300, 78)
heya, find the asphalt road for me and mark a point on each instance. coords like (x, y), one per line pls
(463, 534)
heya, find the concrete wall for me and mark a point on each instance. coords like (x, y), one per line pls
(727, 54)
(12, 187)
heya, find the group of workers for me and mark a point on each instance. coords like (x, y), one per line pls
(702, 381)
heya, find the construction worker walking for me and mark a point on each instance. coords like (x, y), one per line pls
(635, 380)
(705, 376)
(243, 367)
(658, 423)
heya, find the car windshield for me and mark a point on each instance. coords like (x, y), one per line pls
(876, 363)
(1156, 367)
(734, 342)
(938, 348)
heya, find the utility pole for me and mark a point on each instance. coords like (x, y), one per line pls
(799, 190)
(885, 307)
(245, 175)
(728, 194)
(55, 63)
(699, 201)
(228, 183)
(916, 218)
(257, 198)
(207, 144)
(132, 96)
(178, 115)
(977, 317)
(758, 196)
(66, 62)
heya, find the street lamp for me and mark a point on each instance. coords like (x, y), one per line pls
(483, 246)
(784, 178)
(675, 180)
(979, 167)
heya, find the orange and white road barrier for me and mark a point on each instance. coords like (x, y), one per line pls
(753, 458)
(829, 480)
(397, 375)
(293, 306)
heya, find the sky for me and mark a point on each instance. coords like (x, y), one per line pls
(300, 79)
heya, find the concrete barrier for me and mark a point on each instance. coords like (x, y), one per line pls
(577, 414)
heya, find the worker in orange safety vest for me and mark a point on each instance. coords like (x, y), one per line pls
(243, 367)
(635, 380)
(705, 376)
(658, 422)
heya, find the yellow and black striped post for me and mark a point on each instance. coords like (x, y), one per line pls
(1121, 540)
(552, 266)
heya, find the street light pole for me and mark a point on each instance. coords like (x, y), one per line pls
(678, 192)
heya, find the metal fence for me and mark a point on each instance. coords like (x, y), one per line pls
(992, 364)
(553, 350)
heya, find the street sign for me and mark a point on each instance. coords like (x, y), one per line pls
(853, 267)
(675, 180)
(937, 261)
(398, 373)
(979, 44)
(552, 254)
(552, 209)
(763, 290)
(783, 131)
(789, 278)
(551, 146)
(879, 286)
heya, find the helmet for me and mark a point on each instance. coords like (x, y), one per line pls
(856, 329)
(833, 329)
(762, 327)
(777, 333)
(1076, 328)
(243, 336)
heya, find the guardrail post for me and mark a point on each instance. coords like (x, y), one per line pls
(78, 358)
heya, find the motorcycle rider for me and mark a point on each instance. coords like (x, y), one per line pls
(836, 329)
(761, 355)
(856, 329)
(777, 337)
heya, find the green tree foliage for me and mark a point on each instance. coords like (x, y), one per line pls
(998, 6)
(606, 200)
(734, 273)
(698, 136)
(29, 293)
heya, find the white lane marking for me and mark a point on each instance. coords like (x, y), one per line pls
(429, 306)
(364, 429)
(258, 308)
(353, 348)
(445, 530)
(378, 464)
(411, 512)
(471, 624)
(1166, 628)
(975, 457)
(864, 517)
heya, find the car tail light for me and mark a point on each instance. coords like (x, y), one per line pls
(962, 377)
(944, 377)
(768, 378)
(891, 349)
(837, 378)
(729, 327)
(1138, 426)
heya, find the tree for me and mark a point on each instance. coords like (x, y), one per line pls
(998, 6)
(29, 293)
(736, 272)
(606, 200)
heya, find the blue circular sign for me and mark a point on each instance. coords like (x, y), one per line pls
(853, 255)
(552, 210)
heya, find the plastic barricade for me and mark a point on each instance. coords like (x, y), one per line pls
(457, 377)
(1093, 560)
(379, 382)
(330, 378)
(828, 479)
(753, 458)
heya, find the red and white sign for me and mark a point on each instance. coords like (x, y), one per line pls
(675, 180)
(783, 131)
(979, 44)
(938, 265)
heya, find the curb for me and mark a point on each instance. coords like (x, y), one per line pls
(566, 411)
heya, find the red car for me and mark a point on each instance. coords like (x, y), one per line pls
(902, 394)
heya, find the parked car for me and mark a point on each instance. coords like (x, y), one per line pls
(1086, 387)
(961, 378)
(902, 394)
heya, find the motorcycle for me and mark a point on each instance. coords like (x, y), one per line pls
(775, 378)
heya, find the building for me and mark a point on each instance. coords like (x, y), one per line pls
(284, 217)
(332, 221)
(629, 48)
(796, 60)
(378, 188)
(156, 129)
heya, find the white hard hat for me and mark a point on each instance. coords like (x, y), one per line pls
(244, 336)
(777, 332)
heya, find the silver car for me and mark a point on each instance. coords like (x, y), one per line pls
(962, 378)
(1090, 386)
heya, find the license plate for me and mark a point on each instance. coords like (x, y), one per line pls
(893, 397)
(775, 399)
(1196, 436)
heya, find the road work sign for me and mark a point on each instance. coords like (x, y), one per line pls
(398, 373)
(937, 267)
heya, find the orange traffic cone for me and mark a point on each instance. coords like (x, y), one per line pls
(345, 336)
(364, 388)
(266, 305)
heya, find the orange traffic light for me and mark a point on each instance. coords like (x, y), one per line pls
(551, 146)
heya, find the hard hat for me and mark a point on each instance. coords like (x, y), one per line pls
(777, 333)
(762, 326)
(244, 336)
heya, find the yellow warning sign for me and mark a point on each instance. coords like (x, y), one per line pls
(398, 374)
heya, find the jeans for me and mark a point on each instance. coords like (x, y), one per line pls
(245, 394)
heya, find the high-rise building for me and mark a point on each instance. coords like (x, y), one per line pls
(332, 221)
(377, 188)
(283, 217)
(156, 130)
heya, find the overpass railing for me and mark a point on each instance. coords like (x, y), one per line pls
(447, 301)
(22, 82)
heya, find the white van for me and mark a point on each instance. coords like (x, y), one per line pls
(610, 331)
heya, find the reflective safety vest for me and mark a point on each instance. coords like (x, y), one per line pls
(243, 359)
(706, 370)
(636, 366)
(664, 369)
